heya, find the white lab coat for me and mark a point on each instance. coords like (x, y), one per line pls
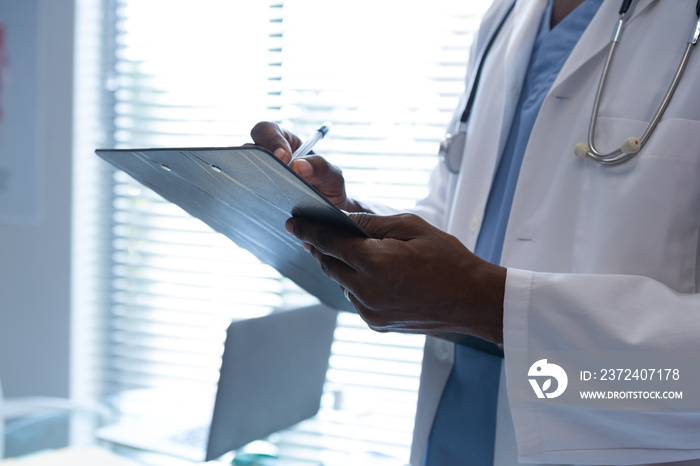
(597, 257)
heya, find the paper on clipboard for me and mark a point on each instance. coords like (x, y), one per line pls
(246, 194)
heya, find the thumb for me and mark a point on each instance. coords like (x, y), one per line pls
(272, 137)
(402, 227)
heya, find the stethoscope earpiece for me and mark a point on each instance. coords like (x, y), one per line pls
(631, 145)
(581, 150)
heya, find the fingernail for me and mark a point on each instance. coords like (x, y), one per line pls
(289, 227)
(307, 247)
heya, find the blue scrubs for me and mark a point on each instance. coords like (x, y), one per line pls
(464, 428)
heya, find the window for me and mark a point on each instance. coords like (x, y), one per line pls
(180, 73)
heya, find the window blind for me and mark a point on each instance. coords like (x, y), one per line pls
(181, 73)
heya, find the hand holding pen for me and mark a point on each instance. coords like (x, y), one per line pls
(325, 177)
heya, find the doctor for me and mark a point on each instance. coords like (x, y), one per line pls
(571, 255)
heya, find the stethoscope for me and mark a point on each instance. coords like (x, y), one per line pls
(452, 147)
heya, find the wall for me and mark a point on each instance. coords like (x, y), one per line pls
(35, 256)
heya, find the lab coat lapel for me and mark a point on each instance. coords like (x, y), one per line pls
(496, 101)
(596, 38)
(518, 50)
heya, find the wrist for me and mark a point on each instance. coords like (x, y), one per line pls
(496, 288)
(488, 291)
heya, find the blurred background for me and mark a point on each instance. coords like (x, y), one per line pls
(104, 287)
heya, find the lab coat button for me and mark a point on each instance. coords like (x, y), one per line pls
(475, 222)
(443, 350)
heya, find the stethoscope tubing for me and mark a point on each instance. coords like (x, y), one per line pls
(632, 145)
(451, 163)
(619, 156)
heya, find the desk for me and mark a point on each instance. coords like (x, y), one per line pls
(56, 429)
(66, 437)
(70, 456)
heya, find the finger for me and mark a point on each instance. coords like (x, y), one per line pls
(362, 310)
(277, 140)
(321, 174)
(348, 279)
(357, 304)
(317, 170)
(303, 168)
(402, 227)
(327, 240)
(336, 269)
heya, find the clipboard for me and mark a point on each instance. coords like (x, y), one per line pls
(246, 194)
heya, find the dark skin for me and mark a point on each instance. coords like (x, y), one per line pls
(409, 277)
(562, 8)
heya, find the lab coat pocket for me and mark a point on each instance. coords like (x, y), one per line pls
(643, 217)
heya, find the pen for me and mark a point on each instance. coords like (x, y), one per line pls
(306, 147)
